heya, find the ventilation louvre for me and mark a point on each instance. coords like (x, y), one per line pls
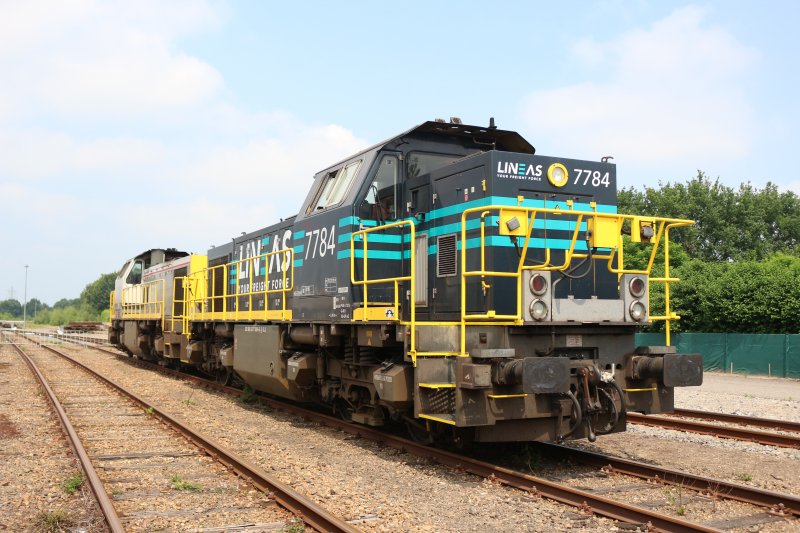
(446, 256)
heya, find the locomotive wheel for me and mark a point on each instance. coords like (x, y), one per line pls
(343, 410)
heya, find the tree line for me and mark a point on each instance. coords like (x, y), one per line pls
(92, 305)
(739, 264)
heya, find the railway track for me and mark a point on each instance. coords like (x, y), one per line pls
(776, 506)
(680, 423)
(130, 458)
(769, 423)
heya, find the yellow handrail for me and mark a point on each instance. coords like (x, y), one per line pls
(395, 280)
(202, 306)
(144, 301)
(617, 250)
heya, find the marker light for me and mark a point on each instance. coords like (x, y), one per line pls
(557, 175)
(538, 310)
(637, 311)
(538, 284)
(636, 286)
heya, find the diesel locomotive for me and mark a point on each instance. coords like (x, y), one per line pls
(448, 278)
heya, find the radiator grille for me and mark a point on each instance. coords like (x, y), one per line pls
(446, 256)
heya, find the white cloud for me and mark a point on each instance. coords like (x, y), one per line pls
(43, 154)
(274, 169)
(103, 59)
(673, 92)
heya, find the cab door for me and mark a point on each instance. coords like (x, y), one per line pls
(378, 205)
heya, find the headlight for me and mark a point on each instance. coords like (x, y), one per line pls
(636, 286)
(538, 284)
(557, 175)
(637, 311)
(538, 310)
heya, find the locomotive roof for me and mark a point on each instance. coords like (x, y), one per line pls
(491, 137)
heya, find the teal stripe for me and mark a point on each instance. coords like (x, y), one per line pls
(373, 254)
(300, 248)
(262, 271)
(489, 200)
(299, 234)
(512, 202)
(355, 221)
(505, 242)
(373, 238)
(298, 263)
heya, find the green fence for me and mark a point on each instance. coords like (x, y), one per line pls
(777, 355)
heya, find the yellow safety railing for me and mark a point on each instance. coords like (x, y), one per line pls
(144, 302)
(378, 310)
(111, 305)
(608, 232)
(230, 304)
(180, 317)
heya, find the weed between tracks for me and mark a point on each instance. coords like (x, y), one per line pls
(530, 457)
(178, 483)
(675, 499)
(296, 527)
(188, 401)
(53, 521)
(73, 483)
(248, 396)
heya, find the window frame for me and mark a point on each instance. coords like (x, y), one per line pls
(332, 177)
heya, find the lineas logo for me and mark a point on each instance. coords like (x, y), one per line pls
(507, 169)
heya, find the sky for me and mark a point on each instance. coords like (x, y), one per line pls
(129, 125)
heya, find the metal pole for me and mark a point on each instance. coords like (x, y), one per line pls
(25, 300)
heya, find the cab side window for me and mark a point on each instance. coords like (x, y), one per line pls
(381, 202)
(334, 187)
(135, 275)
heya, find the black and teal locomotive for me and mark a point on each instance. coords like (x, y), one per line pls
(448, 278)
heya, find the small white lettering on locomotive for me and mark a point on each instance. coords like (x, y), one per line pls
(519, 171)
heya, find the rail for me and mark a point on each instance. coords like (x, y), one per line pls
(95, 484)
(304, 508)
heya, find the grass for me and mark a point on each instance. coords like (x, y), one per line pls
(188, 401)
(744, 476)
(149, 411)
(73, 483)
(529, 456)
(178, 483)
(53, 521)
(296, 527)
(248, 396)
(675, 499)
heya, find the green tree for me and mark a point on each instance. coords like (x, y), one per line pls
(739, 297)
(12, 308)
(66, 302)
(731, 224)
(95, 295)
